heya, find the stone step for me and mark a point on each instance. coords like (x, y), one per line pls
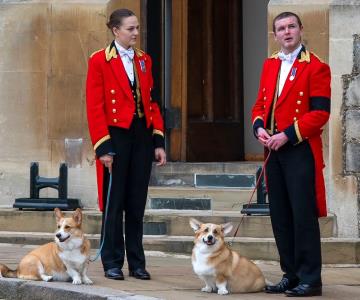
(334, 250)
(156, 222)
(222, 174)
(225, 199)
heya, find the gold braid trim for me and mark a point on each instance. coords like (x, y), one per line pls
(139, 52)
(305, 56)
(159, 132)
(275, 55)
(110, 52)
(297, 130)
(317, 57)
(92, 54)
(99, 142)
(258, 117)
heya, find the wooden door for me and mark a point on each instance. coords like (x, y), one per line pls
(214, 81)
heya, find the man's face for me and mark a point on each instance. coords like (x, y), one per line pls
(288, 34)
(127, 33)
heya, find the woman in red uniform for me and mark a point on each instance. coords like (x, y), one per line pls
(126, 129)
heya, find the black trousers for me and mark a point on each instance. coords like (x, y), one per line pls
(131, 173)
(291, 185)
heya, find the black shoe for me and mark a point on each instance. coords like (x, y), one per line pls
(304, 290)
(140, 274)
(284, 285)
(114, 273)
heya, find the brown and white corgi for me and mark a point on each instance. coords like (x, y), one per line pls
(224, 271)
(65, 259)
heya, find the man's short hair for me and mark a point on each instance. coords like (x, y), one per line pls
(284, 15)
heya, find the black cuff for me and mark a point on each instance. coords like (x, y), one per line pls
(257, 124)
(158, 141)
(291, 134)
(104, 148)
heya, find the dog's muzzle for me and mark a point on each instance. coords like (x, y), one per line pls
(209, 240)
(61, 238)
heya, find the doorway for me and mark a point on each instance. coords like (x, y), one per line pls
(214, 130)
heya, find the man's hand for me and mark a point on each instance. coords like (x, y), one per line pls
(276, 141)
(262, 136)
(160, 156)
(107, 161)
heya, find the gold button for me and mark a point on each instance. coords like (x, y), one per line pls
(115, 120)
(265, 98)
(150, 118)
(114, 110)
(301, 93)
(264, 90)
(295, 118)
(113, 101)
(296, 110)
(112, 92)
(264, 106)
(298, 102)
(150, 108)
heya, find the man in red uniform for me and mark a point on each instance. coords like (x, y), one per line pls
(126, 129)
(292, 106)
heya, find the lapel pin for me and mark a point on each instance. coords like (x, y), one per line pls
(292, 74)
(142, 66)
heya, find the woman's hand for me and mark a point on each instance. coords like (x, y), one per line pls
(160, 156)
(107, 161)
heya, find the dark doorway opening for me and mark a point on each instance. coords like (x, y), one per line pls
(214, 90)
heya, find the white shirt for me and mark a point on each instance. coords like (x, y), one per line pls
(286, 66)
(127, 62)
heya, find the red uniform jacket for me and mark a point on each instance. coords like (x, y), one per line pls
(110, 102)
(301, 110)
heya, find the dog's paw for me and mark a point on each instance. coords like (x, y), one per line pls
(76, 281)
(207, 289)
(223, 292)
(87, 280)
(46, 278)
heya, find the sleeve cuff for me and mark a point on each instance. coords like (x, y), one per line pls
(158, 141)
(257, 124)
(293, 134)
(104, 148)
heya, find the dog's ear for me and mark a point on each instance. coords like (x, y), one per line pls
(195, 224)
(227, 227)
(77, 216)
(58, 214)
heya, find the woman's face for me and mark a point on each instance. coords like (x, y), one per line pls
(127, 32)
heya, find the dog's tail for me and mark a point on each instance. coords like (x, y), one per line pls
(6, 272)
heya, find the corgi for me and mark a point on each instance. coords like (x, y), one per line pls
(224, 271)
(65, 259)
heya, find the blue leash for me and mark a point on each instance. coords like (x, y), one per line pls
(104, 227)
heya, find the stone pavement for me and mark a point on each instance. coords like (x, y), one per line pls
(172, 279)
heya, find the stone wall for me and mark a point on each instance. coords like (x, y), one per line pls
(344, 158)
(44, 51)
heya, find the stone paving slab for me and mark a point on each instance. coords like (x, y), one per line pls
(173, 279)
